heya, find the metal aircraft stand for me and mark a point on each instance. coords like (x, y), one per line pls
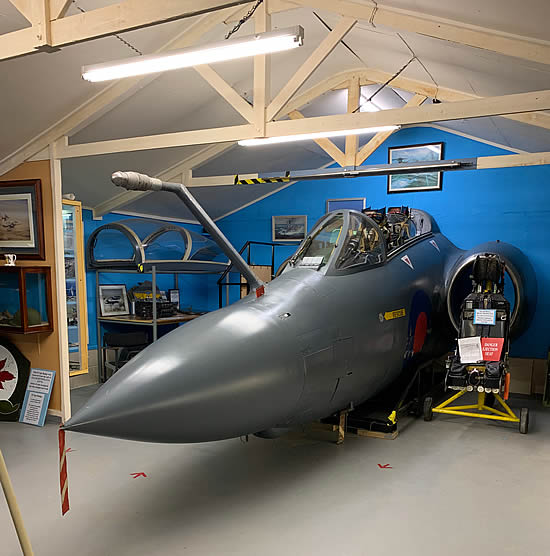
(475, 410)
(379, 417)
(483, 377)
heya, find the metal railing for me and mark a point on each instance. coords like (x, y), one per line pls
(246, 248)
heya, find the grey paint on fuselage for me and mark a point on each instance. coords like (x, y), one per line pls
(313, 344)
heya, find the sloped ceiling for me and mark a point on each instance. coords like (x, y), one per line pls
(39, 89)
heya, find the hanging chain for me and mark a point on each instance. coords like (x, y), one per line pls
(124, 41)
(244, 19)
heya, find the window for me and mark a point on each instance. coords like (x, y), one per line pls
(362, 244)
(319, 247)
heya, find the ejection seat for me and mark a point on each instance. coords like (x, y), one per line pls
(486, 295)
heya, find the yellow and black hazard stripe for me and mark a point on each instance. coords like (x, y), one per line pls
(255, 181)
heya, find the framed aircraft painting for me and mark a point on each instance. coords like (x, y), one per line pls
(289, 228)
(21, 221)
(427, 181)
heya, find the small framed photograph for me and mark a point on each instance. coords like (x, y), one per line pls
(427, 181)
(289, 228)
(357, 204)
(21, 221)
(113, 300)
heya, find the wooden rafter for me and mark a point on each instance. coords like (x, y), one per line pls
(381, 136)
(352, 141)
(58, 8)
(330, 42)
(227, 92)
(176, 172)
(440, 28)
(489, 106)
(116, 18)
(262, 71)
(107, 98)
(326, 144)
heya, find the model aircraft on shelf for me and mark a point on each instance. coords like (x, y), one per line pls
(361, 297)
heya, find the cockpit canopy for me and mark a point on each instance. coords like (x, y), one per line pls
(347, 241)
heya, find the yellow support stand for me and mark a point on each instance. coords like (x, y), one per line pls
(475, 410)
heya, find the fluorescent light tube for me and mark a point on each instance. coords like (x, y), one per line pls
(262, 43)
(310, 136)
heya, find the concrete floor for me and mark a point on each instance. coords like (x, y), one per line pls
(455, 486)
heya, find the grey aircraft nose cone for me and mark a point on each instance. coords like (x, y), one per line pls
(200, 383)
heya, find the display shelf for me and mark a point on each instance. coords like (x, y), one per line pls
(25, 299)
(75, 280)
(134, 320)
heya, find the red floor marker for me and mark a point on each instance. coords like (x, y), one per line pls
(136, 475)
(385, 466)
(63, 479)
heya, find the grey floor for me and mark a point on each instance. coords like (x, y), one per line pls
(455, 486)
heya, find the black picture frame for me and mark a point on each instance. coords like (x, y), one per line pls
(114, 304)
(289, 228)
(21, 219)
(409, 183)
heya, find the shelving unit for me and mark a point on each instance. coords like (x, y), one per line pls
(134, 319)
(75, 283)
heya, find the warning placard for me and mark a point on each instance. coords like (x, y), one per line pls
(491, 348)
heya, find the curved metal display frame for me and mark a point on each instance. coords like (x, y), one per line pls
(188, 263)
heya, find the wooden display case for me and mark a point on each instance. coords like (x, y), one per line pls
(75, 283)
(25, 299)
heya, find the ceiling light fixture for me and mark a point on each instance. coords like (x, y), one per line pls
(252, 45)
(311, 136)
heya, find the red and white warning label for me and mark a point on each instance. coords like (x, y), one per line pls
(491, 348)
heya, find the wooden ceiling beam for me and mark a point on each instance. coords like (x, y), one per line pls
(326, 144)
(101, 22)
(381, 136)
(458, 32)
(329, 43)
(478, 108)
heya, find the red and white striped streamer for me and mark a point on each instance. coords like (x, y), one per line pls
(63, 480)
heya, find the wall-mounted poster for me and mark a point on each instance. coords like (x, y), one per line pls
(21, 223)
(113, 300)
(357, 204)
(289, 228)
(426, 181)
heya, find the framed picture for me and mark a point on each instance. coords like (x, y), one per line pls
(113, 300)
(289, 228)
(352, 204)
(426, 181)
(21, 221)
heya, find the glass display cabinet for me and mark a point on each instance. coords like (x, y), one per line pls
(75, 281)
(25, 299)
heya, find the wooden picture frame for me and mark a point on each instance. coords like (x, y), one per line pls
(425, 181)
(22, 220)
(24, 324)
(289, 228)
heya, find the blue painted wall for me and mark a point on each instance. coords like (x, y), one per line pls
(512, 205)
(193, 288)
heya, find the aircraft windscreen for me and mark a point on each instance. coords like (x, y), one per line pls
(363, 244)
(317, 250)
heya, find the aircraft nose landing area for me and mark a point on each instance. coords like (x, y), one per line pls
(198, 384)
